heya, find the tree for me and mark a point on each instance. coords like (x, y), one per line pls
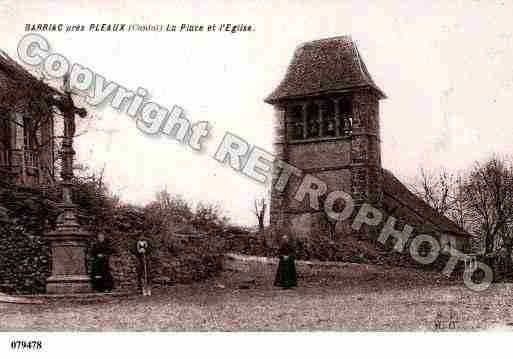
(93, 196)
(169, 209)
(259, 211)
(481, 202)
(209, 217)
(443, 191)
(436, 189)
(488, 195)
(174, 205)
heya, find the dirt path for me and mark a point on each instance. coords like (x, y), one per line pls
(243, 298)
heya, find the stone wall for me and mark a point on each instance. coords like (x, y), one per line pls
(366, 149)
(123, 264)
(25, 259)
(185, 258)
(174, 256)
(319, 154)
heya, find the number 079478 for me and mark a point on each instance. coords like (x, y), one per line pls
(26, 344)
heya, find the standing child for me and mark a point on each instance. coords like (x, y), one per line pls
(142, 251)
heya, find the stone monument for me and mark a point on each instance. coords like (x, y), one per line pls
(68, 241)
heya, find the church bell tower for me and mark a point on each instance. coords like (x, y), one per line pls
(327, 125)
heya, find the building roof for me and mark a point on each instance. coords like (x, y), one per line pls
(17, 85)
(324, 66)
(428, 219)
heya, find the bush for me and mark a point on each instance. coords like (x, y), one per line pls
(25, 263)
(185, 246)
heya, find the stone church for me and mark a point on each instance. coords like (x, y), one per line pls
(327, 124)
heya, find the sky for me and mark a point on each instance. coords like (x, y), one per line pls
(447, 69)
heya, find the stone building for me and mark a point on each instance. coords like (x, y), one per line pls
(26, 125)
(327, 124)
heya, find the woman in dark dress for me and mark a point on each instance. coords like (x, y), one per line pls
(286, 276)
(100, 271)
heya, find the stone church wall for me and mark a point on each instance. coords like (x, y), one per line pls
(319, 154)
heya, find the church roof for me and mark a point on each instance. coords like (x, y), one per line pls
(323, 66)
(427, 219)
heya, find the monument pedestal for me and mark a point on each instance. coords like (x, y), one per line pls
(62, 284)
(68, 245)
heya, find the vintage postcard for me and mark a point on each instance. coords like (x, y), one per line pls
(254, 166)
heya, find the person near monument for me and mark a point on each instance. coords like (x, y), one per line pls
(286, 275)
(142, 249)
(102, 280)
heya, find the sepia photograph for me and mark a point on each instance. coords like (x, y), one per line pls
(315, 171)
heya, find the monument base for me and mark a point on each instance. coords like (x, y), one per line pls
(68, 284)
(68, 246)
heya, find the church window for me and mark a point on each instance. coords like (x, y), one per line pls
(345, 115)
(328, 120)
(295, 122)
(312, 121)
(315, 119)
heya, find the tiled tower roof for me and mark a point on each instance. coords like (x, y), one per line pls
(324, 66)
